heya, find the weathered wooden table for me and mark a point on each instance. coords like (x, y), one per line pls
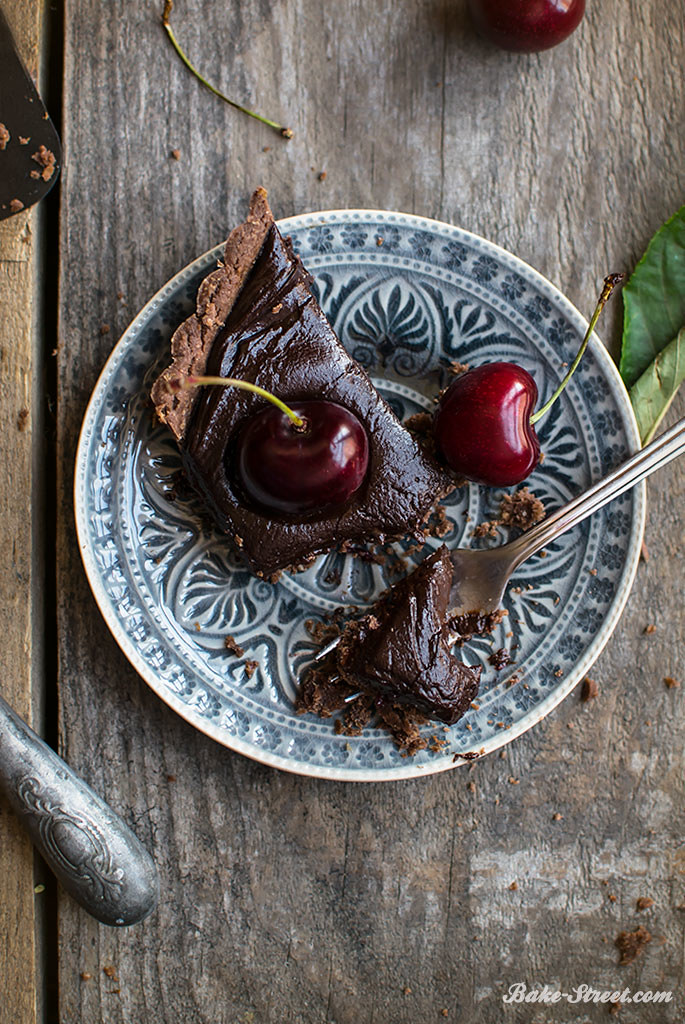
(286, 899)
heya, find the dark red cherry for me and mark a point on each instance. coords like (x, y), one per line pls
(482, 425)
(297, 470)
(526, 26)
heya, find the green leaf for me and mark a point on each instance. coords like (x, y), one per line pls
(654, 391)
(654, 299)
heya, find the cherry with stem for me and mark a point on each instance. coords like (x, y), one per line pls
(300, 459)
(610, 283)
(484, 424)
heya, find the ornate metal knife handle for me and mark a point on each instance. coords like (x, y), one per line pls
(91, 850)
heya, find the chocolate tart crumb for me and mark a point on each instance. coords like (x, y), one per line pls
(499, 659)
(521, 510)
(631, 944)
(590, 690)
(232, 645)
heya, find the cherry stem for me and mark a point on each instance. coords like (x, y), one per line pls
(183, 383)
(610, 283)
(166, 18)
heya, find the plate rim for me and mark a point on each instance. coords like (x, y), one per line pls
(346, 773)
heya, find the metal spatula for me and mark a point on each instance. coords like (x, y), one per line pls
(30, 150)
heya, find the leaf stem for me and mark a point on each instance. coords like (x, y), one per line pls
(610, 283)
(183, 383)
(166, 22)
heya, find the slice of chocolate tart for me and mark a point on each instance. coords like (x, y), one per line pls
(258, 320)
(400, 652)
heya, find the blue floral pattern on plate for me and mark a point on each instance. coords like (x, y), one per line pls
(407, 296)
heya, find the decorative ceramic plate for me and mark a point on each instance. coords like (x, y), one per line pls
(407, 297)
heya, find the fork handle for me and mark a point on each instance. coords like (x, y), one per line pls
(655, 455)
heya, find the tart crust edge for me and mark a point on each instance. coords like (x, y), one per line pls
(192, 341)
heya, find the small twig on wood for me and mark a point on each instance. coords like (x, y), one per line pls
(166, 19)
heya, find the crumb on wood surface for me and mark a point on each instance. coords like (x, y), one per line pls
(22, 419)
(590, 690)
(644, 902)
(670, 682)
(631, 944)
(175, 154)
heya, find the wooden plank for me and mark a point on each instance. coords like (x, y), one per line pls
(18, 253)
(292, 900)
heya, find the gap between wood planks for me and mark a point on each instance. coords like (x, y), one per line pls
(29, 263)
(51, 72)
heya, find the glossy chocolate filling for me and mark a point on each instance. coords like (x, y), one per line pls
(276, 336)
(400, 651)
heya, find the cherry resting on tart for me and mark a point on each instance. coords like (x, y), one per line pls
(301, 469)
(310, 456)
(484, 424)
(526, 26)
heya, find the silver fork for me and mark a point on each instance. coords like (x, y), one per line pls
(481, 575)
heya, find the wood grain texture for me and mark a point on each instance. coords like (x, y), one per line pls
(295, 900)
(18, 981)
